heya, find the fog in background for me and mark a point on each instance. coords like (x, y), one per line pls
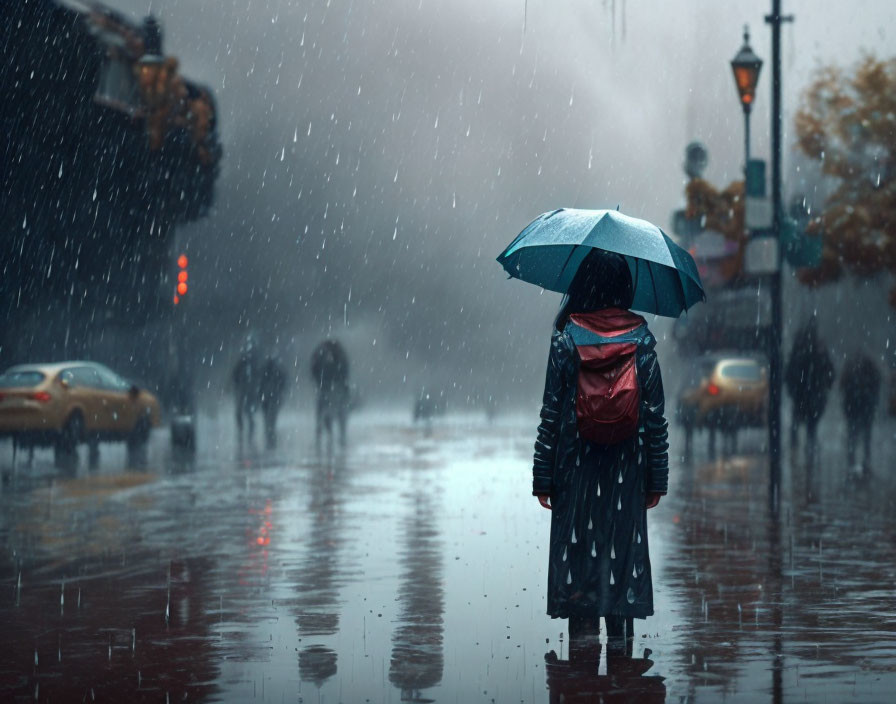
(380, 154)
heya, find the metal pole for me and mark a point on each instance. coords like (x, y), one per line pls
(774, 339)
(746, 139)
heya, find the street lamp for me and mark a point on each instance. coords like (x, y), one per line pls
(151, 66)
(746, 66)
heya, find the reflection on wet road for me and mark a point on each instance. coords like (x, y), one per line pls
(411, 568)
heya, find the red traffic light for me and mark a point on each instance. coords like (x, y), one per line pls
(182, 261)
(182, 277)
(181, 288)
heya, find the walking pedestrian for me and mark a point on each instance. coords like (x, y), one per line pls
(808, 377)
(329, 371)
(246, 378)
(273, 385)
(601, 454)
(860, 383)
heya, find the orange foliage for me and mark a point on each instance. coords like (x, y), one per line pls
(722, 211)
(847, 124)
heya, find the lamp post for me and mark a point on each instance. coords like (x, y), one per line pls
(776, 19)
(746, 66)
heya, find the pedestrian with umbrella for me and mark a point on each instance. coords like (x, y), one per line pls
(601, 454)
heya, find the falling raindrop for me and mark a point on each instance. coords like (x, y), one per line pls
(569, 577)
(564, 554)
(619, 504)
(630, 596)
(573, 540)
(590, 524)
(598, 488)
(612, 580)
(612, 552)
(593, 550)
(634, 572)
(620, 476)
(639, 538)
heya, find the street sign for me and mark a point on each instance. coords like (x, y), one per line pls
(800, 249)
(761, 256)
(685, 227)
(755, 185)
(758, 213)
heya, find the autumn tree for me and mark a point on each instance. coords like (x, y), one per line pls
(847, 124)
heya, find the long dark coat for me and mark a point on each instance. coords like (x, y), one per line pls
(809, 375)
(599, 561)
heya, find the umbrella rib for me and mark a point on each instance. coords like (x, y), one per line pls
(656, 299)
(566, 263)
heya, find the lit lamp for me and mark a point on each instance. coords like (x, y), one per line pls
(151, 66)
(746, 66)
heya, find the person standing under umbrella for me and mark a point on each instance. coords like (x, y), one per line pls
(599, 489)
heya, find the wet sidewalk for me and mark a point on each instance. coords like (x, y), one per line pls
(412, 568)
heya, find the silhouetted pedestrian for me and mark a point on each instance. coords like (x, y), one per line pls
(273, 386)
(246, 378)
(809, 377)
(329, 371)
(860, 390)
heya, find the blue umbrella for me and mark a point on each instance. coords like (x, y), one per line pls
(548, 253)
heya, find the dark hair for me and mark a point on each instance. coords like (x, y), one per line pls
(603, 280)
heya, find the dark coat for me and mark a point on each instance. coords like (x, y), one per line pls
(599, 562)
(860, 383)
(809, 375)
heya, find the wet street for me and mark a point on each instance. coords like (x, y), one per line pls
(412, 567)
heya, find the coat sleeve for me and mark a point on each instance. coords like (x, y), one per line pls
(656, 429)
(555, 392)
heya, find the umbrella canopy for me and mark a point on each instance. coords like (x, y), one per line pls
(549, 251)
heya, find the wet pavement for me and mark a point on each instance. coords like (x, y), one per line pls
(412, 568)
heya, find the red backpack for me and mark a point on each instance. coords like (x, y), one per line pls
(608, 396)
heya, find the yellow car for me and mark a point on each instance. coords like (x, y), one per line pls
(66, 403)
(727, 394)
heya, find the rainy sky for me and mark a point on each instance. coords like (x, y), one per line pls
(380, 154)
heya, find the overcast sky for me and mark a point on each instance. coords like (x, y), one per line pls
(380, 154)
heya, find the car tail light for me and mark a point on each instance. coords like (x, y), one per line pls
(42, 396)
(713, 390)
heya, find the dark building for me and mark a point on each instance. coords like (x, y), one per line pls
(105, 149)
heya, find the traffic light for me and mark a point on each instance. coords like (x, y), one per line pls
(182, 277)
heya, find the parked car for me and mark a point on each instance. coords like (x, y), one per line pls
(66, 403)
(725, 394)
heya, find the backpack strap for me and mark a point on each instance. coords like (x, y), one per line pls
(582, 336)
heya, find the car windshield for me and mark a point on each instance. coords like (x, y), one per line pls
(745, 371)
(20, 379)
